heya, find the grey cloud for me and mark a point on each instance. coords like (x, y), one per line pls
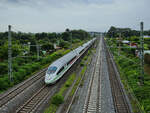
(57, 15)
(57, 2)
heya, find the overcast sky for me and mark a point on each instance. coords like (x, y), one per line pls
(57, 15)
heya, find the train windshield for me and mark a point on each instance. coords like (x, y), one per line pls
(52, 70)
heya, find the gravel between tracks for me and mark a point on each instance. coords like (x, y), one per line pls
(79, 100)
(107, 105)
(105, 96)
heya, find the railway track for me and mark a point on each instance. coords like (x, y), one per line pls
(4, 99)
(38, 98)
(35, 100)
(88, 71)
(120, 100)
(27, 104)
(93, 99)
(92, 103)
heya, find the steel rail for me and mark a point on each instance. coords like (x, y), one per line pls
(89, 105)
(34, 100)
(119, 98)
(4, 99)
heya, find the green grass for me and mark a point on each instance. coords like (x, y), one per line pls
(130, 80)
(57, 99)
(67, 84)
(75, 86)
(51, 109)
(81, 74)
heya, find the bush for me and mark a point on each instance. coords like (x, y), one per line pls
(15, 67)
(85, 58)
(64, 44)
(147, 58)
(3, 68)
(21, 74)
(67, 85)
(22, 68)
(129, 51)
(28, 68)
(57, 99)
(44, 61)
(4, 84)
(37, 65)
(34, 67)
(19, 61)
(16, 78)
(82, 63)
(47, 46)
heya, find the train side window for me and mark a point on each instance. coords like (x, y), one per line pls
(60, 70)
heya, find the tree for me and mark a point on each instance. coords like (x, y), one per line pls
(147, 58)
(134, 39)
(80, 34)
(125, 32)
(47, 46)
(16, 50)
(111, 32)
(66, 36)
(64, 44)
(33, 48)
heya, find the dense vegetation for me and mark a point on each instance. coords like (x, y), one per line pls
(46, 40)
(125, 32)
(129, 65)
(25, 60)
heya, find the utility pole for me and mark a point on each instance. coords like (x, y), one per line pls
(9, 54)
(142, 54)
(71, 38)
(38, 51)
(29, 43)
(119, 44)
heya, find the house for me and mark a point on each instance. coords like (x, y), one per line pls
(133, 45)
(146, 36)
(126, 42)
(137, 52)
(146, 51)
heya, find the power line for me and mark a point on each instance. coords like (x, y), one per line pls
(14, 28)
(37, 46)
(10, 74)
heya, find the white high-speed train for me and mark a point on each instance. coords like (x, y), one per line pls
(57, 69)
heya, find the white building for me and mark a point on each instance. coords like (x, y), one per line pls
(146, 36)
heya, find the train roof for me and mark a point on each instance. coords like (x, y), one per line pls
(63, 60)
(66, 58)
